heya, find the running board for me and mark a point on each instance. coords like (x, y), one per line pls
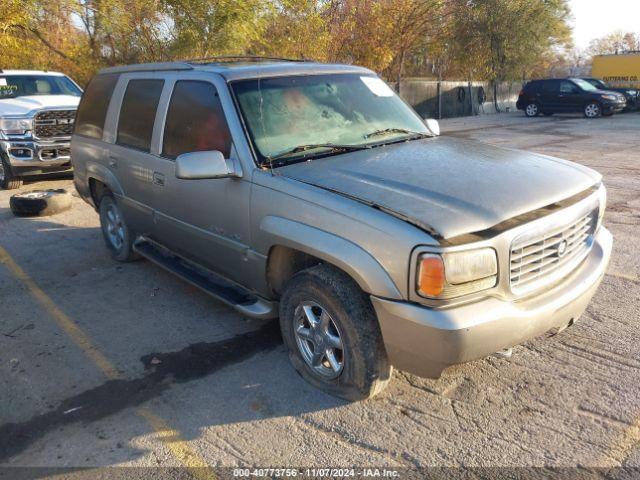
(221, 289)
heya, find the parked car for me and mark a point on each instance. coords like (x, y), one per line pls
(37, 114)
(631, 94)
(313, 193)
(569, 95)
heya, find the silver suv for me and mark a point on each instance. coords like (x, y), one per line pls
(313, 193)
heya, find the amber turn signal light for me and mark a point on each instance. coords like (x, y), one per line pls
(431, 279)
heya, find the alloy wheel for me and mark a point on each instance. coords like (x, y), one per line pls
(319, 339)
(532, 110)
(115, 226)
(592, 110)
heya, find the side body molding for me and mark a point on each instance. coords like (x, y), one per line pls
(342, 253)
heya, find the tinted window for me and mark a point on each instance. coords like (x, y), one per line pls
(195, 121)
(549, 87)
(532, 87)
(568, 87)
(93, 106)
(138, 113)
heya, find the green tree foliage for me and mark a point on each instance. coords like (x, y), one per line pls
(495, 39)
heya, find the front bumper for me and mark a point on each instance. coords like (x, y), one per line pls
(425, 341)
(34, 156)
(614, 107)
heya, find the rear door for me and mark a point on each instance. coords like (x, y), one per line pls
(548, 96)
(135, 106)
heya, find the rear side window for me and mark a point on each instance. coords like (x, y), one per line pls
(93, 106)
(549, 87)
(138, 113)
(195, 121)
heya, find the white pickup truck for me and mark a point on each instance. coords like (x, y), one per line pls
(37, 115)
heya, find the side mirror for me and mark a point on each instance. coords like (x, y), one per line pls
(201, 165)
(433, 126)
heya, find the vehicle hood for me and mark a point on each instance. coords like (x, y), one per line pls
(447, 186)
(29, 104)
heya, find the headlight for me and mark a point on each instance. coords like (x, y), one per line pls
(15, 126)
(453, 274)
(602, 200)
(610, 97)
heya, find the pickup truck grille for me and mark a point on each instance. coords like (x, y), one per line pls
(538, 260)
(54, 123)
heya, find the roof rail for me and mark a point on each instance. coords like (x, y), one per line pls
(235, 58)
(148, 67)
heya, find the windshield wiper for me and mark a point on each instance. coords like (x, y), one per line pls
(332, 148)
(384, 131)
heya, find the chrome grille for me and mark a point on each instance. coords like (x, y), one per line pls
(54, 123)
(539, 260)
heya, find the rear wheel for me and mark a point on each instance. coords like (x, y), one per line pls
(532, 110)
(332, 333)
(592, 110)
(115, 231)
(7, 180)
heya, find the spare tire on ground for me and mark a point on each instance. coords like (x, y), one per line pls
(40, 203)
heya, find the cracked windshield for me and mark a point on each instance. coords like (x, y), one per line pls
(299, 117)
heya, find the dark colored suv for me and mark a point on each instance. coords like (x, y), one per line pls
(567, 96)
(631, 94)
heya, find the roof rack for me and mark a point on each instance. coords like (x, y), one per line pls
(148, 67)
(246, 58)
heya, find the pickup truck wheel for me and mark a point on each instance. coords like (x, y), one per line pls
(116, 234)
(332, 334)
(7, 180)
(40, 203)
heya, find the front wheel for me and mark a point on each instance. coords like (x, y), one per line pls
(7, 180)
(532, 110)
(332, 333)
(115, 231)
(592, 110)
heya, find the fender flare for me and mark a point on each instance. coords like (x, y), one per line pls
(344, 254)
(101, 173)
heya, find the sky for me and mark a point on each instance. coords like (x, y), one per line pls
(596, 18)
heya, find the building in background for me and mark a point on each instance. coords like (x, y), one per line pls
(618, 70)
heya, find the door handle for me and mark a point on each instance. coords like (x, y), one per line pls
(158, 178)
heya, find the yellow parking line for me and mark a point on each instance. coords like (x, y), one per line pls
(626, 276)
(170, 437)
(68, 325)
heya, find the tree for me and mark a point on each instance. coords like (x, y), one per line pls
(614, 43)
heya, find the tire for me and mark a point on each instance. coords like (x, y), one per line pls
(532, 110)
(592, 110)
(40, 203)
(346, 320)
(117, 235)
(7, 180)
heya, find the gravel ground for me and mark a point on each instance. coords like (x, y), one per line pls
(192, 382)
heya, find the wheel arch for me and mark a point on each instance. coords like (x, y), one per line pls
(100, 179)
(293, 246)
